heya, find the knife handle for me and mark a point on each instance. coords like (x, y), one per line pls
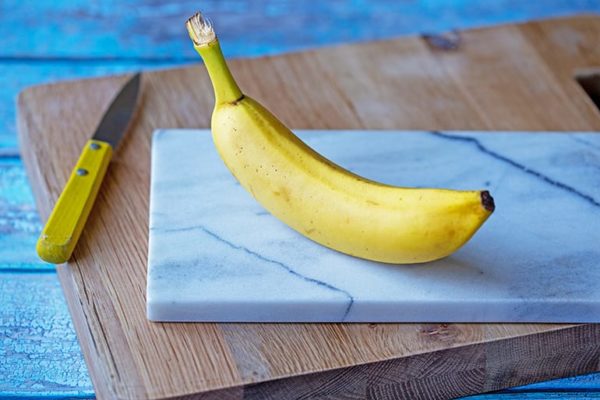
(62, 230)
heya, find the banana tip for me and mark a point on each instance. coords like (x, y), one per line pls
(487, 201)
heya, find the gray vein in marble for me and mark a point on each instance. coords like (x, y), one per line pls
(584, 142)
(517, 165)
(266, 259)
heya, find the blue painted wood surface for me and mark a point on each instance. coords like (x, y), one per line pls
(38, 347)
(537, 396)
(47, 40)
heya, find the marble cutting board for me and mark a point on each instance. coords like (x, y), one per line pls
(216, 255)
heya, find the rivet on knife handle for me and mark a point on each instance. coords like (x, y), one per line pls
(62, 230)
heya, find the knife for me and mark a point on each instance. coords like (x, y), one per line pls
(62, 230)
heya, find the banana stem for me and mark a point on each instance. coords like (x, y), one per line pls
(224, 85)
(207, 45)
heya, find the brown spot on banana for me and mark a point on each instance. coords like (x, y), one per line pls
(284, 193)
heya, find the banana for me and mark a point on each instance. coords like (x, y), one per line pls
(320, 199)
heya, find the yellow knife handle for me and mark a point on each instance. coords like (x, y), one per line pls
(62, 230)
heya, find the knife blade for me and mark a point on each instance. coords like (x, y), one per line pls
(65, 224)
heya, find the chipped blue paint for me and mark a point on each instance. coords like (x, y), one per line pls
(558, 395)
(149, 29)
(39, 355)
(589, 382)
(19, 222)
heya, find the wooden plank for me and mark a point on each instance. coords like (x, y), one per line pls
(139, 29)
(38, 351)
(19, 222)
(368, 86)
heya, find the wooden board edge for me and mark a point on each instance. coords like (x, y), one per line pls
(32, 170)
(443, 374)
(91, 355)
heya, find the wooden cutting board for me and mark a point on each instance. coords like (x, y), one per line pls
(515, 77)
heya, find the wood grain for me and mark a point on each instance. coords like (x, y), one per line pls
(402, 84)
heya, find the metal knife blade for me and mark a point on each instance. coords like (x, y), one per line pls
(114, 123)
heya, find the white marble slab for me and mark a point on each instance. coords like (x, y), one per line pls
(217, 255)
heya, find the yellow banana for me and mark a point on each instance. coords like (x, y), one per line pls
(318, 198)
